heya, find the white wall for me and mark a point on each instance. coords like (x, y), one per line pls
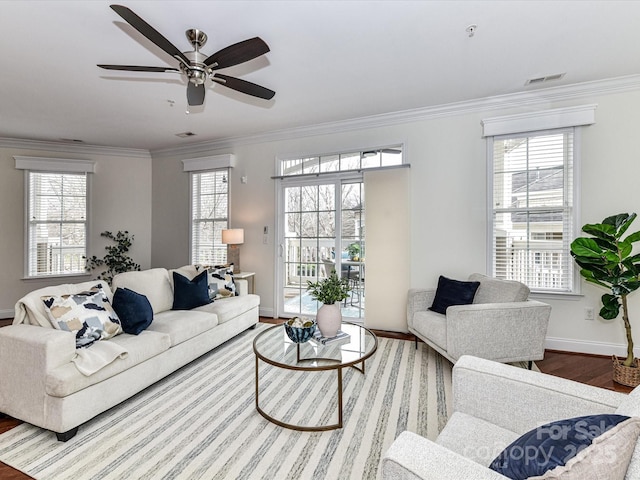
(120, 200)
(448, 200)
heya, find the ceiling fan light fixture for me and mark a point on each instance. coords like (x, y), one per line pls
(194, 65)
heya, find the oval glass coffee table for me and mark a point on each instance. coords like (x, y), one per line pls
(274, 347)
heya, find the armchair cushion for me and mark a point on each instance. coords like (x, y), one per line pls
(453, 292)
(494, 290)
(572, 448)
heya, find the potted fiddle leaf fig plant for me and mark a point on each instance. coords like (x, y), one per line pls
(330, 291)
(606, 259)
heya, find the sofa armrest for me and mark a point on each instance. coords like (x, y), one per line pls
(503, 332)
(27, 354)
(419, 299)
(414, 457)
(484, 389)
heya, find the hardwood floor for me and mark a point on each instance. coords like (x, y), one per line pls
(590, 369)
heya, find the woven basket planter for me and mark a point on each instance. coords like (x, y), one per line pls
(629, 376)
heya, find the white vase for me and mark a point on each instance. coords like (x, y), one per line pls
(329, 319)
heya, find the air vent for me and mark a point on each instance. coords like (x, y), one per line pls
(185, 134)
(547, 78)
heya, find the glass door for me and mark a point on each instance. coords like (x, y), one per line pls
(322, 228)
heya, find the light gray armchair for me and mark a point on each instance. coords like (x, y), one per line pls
(501, 324)
(493, 405)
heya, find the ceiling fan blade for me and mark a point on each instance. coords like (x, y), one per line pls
(237, 53)
(243, 86)
(151, 33)
(195, 94)
(136, 68)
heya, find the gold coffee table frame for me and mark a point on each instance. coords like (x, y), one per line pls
(304, 364)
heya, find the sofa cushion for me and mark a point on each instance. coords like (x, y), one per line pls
(594, 446)
(153, 284)
(229, 308)
(453, 292)
(494, 290)
(133, 309)
(67, 379)
(190, 293)
(181, 325)
(431, 325)
(88, 315)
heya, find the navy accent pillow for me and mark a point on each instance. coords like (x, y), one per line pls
(188, 294)
(133, 309)
(453, 292)
(552, 445)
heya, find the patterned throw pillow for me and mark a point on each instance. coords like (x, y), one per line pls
(87, 314)
(223, 277)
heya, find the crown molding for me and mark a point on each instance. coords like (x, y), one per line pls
(79, 149)
(513, 100)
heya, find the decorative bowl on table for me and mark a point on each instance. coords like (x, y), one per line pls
(300, 330)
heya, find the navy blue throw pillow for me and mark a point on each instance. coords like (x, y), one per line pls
(133, 309)
(188, 294)
(453, 292)
(552, 445)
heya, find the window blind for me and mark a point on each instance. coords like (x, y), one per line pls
(57, 223)
(533, 209)
(209, 216)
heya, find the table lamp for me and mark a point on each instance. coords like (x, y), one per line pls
(232, 238)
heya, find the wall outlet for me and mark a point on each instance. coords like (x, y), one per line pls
(589, 313)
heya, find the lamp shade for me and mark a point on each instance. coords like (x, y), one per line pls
(233, 236)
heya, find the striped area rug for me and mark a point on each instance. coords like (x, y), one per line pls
(201, 422)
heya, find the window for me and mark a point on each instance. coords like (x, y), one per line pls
(532, 212)
(57, 205)
(343, 162)
(209, 216)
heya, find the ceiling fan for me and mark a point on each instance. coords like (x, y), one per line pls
(196, 66)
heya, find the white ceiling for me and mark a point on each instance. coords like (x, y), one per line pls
(329, 61)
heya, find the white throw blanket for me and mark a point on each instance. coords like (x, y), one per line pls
(30, 310)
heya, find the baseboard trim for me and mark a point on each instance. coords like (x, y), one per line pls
(6, 313)
(587, 346)
(266, 312)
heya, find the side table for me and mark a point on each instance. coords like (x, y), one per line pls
(247, 276)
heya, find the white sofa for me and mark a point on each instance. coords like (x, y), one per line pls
(40, 383)
(493, 404)
(501, 324)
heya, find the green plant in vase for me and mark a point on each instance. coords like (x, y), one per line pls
(353, 250)
(606, 259)
(329, 290)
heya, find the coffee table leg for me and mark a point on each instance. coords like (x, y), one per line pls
(256, 381)
(340, 397)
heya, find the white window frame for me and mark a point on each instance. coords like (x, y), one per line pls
(193, 253)
(55, 166)
(570, 208)
(199, 165)
(534, 123)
